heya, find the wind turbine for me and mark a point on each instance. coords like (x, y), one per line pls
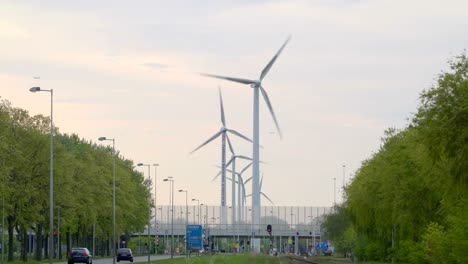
(262, 193)
(224, 136)
(241, 193)
(257, 88)
(233, 180)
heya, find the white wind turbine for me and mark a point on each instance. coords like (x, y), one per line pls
(262, 193)
(241, 193)
(224, 136)
(233, 180)
(257, 88)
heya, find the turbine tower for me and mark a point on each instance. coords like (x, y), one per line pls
(241, 189)
(224, 136)
(257, 88)
(232, 162)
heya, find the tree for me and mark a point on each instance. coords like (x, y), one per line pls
(408, 200)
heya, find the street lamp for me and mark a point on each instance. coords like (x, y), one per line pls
(155, 211)
(169, 179)
(334, 193)
(344, 176)
(161, 209)
(186, 217)
(198, 204)
(149, 208)
(51, 178)
(205, 217)
(113, 195)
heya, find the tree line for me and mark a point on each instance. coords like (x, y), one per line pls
(409, 201)
(82, 188)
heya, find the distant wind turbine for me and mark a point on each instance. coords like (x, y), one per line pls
(262, 193)
(224, 136)
(257, 87)
(233, 180)
(232, 161)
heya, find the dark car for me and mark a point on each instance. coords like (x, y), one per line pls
(124, 254)
(80, 255)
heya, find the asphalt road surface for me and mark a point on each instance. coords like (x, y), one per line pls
(140, 259)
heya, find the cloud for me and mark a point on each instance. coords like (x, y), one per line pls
(156, 66)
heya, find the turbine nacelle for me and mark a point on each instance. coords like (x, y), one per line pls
(256, 84)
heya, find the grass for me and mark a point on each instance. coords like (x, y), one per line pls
(224, 259)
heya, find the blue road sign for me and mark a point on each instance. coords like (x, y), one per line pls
(194, 237)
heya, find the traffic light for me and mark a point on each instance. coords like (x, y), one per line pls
(269, 229)
(248, 242)
(293, 240)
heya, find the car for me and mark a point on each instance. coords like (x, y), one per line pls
(80, 255)
(124, 254)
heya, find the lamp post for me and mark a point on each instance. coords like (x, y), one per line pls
(186, 217)
(198, 205)
(113, 195)
(157, 230)
(344, 176)
(205, 217)
(149, 208)
(169, 179)
(251, 227)
(334, 192)
(51, 178)
(58, 235)
(344, 182)
(155, 211)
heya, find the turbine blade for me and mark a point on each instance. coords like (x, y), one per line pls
(241, 182)
(267, 100)
(244, 157)
(230, 161)
(246, 181)
(231, 180)
(230, 145)
(208, 141)
(266, 197)
(261, 182)
(223, 120)
(239, 135)
(272, 61)
(228, 170)
(246, 167)
(217, 175)
(232, 79)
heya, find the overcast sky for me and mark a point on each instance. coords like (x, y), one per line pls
(128, 70)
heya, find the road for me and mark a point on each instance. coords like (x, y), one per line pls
(139, 259)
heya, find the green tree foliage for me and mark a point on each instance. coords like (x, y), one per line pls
(338, 228)
(82, 184)
(409, 201)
